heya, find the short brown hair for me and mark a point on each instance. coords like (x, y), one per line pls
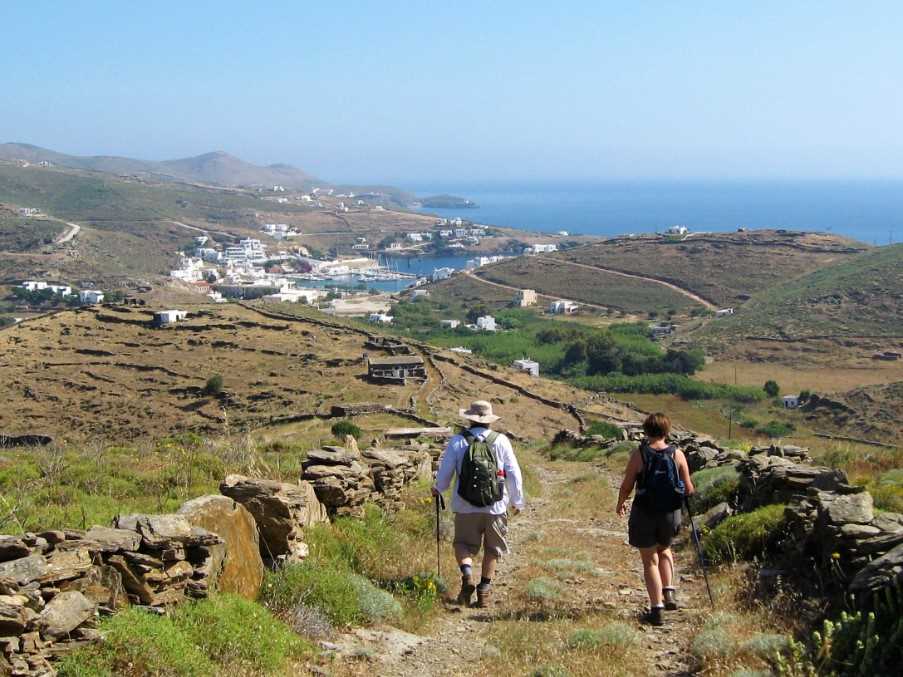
(657, 426)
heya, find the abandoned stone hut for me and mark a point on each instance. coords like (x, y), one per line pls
(396, 369)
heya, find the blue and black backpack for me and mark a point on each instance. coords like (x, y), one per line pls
(660, 488)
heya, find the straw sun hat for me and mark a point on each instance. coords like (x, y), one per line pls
(479, 412)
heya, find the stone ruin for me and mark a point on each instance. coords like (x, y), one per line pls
(55, 585)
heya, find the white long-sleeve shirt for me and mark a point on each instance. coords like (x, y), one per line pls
(450, 465)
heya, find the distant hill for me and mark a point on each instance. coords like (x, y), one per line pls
(723, 268)
(219, 168)
(860, 295)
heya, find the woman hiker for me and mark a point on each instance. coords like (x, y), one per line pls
(662, 478)
(488, 480)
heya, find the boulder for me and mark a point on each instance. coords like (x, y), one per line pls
(12, 548)
(14, 618)
(281, 510)
(65, 612)
(878, 574)
(102, 585)
(240, 566)
(113, 540)
(24, 570)
(157, 531)
(714, 516)
(843, 509)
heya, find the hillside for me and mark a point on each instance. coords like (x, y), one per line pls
(873, 412)
(723, 268)
(107, 373)
(859, 296)
(216, 168)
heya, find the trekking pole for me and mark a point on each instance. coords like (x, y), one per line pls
(440, 505)
(698, 544)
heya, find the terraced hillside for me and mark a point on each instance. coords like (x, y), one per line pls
(873, 412)
(722, 268)
(559, 279)
(108, 373)
(859, 296)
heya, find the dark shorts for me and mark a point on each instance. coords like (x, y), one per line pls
(646, 529)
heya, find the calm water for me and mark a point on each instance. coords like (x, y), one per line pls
(871, 211)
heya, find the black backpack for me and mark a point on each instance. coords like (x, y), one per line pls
(479, 482)
(660, 488)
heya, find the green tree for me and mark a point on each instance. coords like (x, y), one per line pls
(214, 385)
(771, 388)
(346, 427)
(602, 355)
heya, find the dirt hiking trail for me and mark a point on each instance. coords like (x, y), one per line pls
(570, 540)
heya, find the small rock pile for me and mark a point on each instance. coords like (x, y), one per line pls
(54, 584)
(392, 469)
(340, 479)
(281, 510)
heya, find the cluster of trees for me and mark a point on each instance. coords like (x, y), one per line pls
(43, 297)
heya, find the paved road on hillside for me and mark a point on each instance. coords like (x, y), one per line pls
(673, 287)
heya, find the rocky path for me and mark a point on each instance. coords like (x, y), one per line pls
(458, 640)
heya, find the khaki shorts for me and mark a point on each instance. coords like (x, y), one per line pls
(479, 528)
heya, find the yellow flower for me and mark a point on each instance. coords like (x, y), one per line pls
(835, 555)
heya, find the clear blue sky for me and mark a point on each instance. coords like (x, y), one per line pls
(400, 92)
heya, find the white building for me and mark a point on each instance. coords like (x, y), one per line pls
(791, 401)
(201, 240)
(208, 254)
(541, 248)
(724, 312)
(420, 293)
(525, 297)
(28, 211)
(678, 230)
(461, 350)
(460, 232)
(38, 285)
(446, 233)
(486, 323)
(216, 297)
(249, 250)
(90, 296)
(450, 324)
(529, 366)
(286, 295)
(480, 261)
(563, 233)
(186, 274)
(414, 237)
(562, 307)
(163, 318)
(380, 318)
(442, 274)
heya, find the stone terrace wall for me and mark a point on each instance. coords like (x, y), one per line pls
(55, 585)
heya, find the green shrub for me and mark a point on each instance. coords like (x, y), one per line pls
(615, 635)
(663, 384)
(745, 536)
(235, 632)
(139, 643)
(346, 427)
(214, 385)
(714, 485)
(605, 429)
(374, 604)
(771, 388)
(765, 646)
(543, 589)
(330, 591)
(715, 638)
(887, 490)
(776, 428)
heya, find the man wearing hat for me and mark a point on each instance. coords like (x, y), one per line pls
(480, 525)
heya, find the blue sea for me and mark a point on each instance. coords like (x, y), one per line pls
(870, 211)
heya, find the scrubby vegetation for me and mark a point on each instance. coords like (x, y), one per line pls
(366, 570)
(714, 485)
(745, 536)
(345, 427)
(665, 384)
(223, 633)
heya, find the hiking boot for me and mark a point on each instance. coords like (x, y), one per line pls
(670, 599)
(483, 596)
(654, 617)
(466, 595)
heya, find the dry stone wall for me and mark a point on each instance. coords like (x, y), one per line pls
(56, 585)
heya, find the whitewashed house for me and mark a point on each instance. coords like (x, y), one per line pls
(442, 274)
(562, 307)
(541, 248)
(450, 324)
(486, 323)
(791, 401)
(678, 230)
(461, 350)
(420, 293)
(381, 318)
(90, 296)
(165, 318)
(529, 366)
(724, 312)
